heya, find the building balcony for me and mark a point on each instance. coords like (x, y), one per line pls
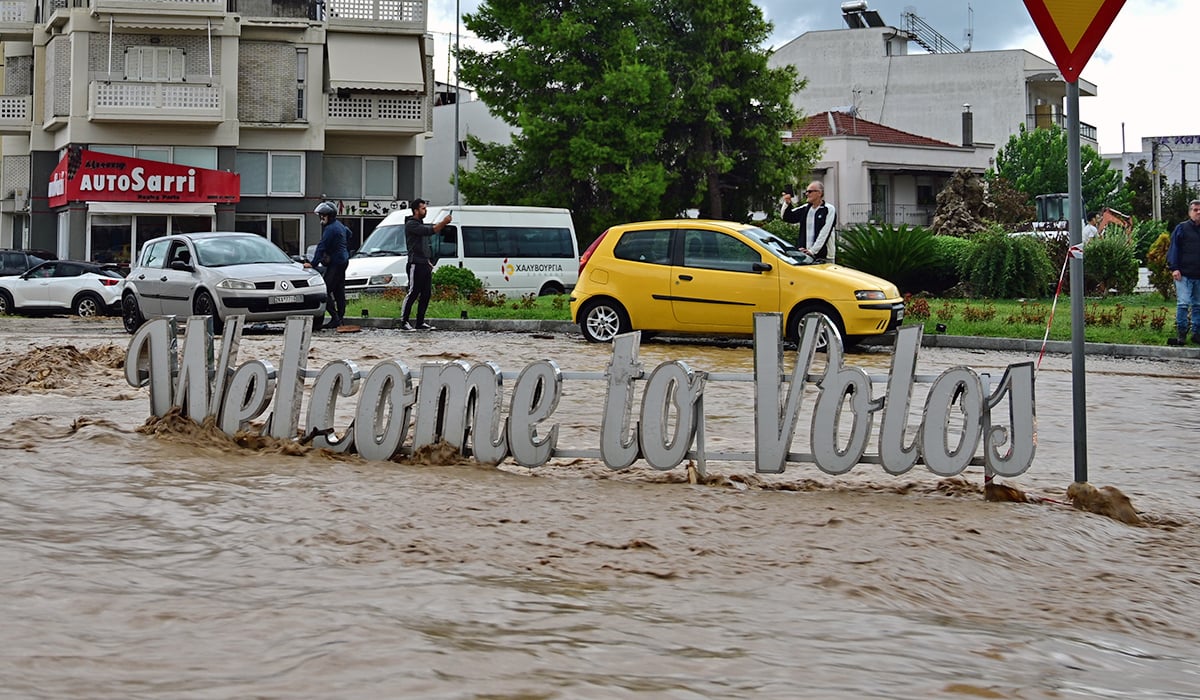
(17, 19)
(377, 15)
(897, 215)
(164, 103)
(1087, 132)
(172, 8)
(377, 114)
(16, 114)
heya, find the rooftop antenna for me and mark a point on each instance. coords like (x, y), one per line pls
(969, 34)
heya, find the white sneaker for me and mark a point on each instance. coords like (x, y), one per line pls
(406, 326)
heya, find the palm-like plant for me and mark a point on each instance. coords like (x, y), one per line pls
(899, 254)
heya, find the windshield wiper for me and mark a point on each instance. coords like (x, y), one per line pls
(381, 253)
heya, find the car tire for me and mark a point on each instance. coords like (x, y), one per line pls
(602, 320)
(6, 303)
(88, 306)
(205, 305)
(796, 323)
(131, 315)
(551, 288)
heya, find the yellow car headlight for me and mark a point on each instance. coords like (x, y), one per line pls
(869, 295)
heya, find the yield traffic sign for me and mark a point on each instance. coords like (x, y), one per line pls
(1072, 29)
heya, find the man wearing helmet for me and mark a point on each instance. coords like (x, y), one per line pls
(334, 250)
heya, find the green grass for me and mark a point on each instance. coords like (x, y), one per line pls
(1136, 319)
(552, 307)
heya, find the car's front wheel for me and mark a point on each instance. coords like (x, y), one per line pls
(131, 315)
(88, 306)
(205, 305)
(602, 320)
(832, 321)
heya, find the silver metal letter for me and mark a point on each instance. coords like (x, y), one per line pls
(838, 383)
(195, 369)
(774, 425)
(152, 359)
(384, 411)
(1017, 384)
(289, 388)
(955, 385)
(670, 384)
(896, 457)
(247, 397)
(338, 378)
(535, 396)
(618, 430)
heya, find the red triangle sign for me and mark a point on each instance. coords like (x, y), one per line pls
(1072, 29)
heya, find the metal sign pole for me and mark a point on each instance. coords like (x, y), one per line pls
(1074, 207)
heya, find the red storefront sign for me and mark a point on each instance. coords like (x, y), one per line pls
(84, 175)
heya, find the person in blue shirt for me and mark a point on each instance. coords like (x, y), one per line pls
(1183, 260)
(334, 252)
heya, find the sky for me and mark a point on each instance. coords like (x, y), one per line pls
(1142, 68)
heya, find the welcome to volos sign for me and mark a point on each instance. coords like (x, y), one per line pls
(463, 403)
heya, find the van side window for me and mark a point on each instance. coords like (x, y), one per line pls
(517, 242)
(652, 246)
(445, 245)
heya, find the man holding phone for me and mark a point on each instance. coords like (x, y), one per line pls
(816, 218)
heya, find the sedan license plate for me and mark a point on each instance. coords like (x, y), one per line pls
(900, 315)
(286, 299)
(352, 295)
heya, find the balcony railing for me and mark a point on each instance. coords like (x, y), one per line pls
(395, 14)
(1087, 132)
(178, 103)
(16, 114)
(160, 7)
(897, 215)
(377, 113)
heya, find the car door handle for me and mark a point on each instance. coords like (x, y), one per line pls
(686, 278)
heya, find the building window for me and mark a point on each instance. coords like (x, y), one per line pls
(301, 82)
(271, 173)
(359, 177)
(284, 231)
(156, 64)
(194, 156)
(462, 149)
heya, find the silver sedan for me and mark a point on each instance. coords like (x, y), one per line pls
(220, 274)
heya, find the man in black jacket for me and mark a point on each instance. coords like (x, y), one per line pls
(417, 237)
(1183, 260)
(816, 218)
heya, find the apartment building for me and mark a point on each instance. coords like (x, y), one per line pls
(122, 120)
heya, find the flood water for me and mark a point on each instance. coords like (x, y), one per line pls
(173, 563)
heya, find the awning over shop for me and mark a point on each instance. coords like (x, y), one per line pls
(376, 62)
(153, 208)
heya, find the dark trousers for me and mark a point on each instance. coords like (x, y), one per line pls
(420, 286)
(335, 285)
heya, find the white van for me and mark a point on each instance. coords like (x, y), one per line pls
(513, 250)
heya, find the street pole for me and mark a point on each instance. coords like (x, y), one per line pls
(454, 149)
(1075, 222)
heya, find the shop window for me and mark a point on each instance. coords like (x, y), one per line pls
(271, 173)
(359, 177)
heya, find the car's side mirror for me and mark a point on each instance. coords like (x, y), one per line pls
(761, 267)
(181, 266)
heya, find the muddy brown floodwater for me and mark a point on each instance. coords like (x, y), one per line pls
(167, 562)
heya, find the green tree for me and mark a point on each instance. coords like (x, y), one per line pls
(1139, 187)
(1035, 162)
(632, 109)
(1175, 199)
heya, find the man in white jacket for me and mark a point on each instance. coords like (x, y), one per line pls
(816, 218)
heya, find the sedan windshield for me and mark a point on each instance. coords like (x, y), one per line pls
(778, 247)
(383, 241)
(238, 250)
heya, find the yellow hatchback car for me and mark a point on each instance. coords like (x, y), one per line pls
(697, 276)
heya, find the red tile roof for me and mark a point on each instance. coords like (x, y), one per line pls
(827, 124)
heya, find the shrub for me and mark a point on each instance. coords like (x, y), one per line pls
(1156, 262)
(898, 254)
(1109, 263)
(781, 228)
(950, 256)
(1145, 233)
(450, 282)
(1008, 267)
